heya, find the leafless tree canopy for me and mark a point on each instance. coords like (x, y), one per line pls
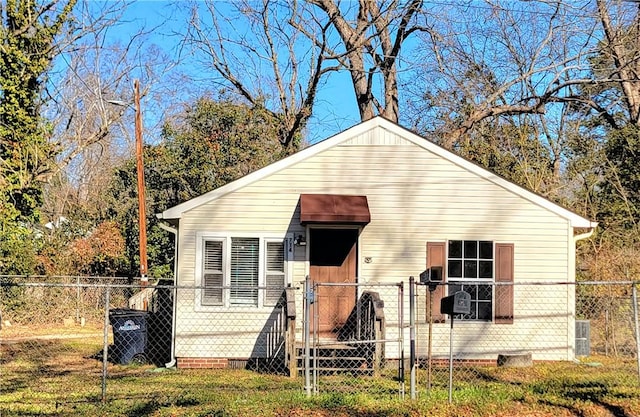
(89, 102)
(489, 59)
(278, 54)
(620, 59)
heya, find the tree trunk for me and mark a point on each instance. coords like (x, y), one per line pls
(624, 46)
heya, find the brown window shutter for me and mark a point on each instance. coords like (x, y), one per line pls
(504, 274)
(436, 256)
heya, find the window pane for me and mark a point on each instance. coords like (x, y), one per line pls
(244, 270)
(212, 292)
(275, 278)
(485, 269)
(485, 292)
(455, 249)
(472, 290)
(471, 269)
(486, 250)
(213, 255)
(470, 249)
(484, 311)
(472, 312)
(454, 269)
(275, 289)
(275, 256)
(454, 288)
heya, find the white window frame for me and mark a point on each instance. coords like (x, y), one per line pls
(473, 281)
(225, 238)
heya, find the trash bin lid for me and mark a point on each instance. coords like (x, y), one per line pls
(127, 312)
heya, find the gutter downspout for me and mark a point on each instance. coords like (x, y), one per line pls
(585, 235)
(576, 238)
(174, 230)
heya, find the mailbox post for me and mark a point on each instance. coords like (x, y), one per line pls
(458, 303)
(431, 277)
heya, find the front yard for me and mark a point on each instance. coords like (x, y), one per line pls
(62, 377)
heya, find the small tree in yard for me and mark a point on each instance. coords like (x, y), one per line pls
(98, 253)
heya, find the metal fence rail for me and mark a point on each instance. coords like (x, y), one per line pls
(99, 328)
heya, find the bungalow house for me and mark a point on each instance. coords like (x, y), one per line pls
(373, 204)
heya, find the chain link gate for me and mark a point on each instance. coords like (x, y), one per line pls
(347, 346)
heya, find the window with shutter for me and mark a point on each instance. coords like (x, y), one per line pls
(477, 267)
(244, 280)
(213, 273)
(274, 273)
(240, 271)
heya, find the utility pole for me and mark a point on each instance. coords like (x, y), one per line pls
(142, 217)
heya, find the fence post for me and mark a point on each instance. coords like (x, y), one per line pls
(412, 337)
(401, 369)
(634, 297)
(307, 334)
(77, 299)
(105, 343)
(451, 358)
(430, 341)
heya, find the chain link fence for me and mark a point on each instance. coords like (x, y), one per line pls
(550, 322)
(333, 338)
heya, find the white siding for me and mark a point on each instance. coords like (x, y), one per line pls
(414, 196)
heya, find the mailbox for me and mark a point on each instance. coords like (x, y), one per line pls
(433, 274)
(458, 303)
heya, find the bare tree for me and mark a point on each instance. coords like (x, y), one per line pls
(278, 54)
(606, 119)
(371, 47)
(618, 63)
(90, 106)
(255, 52)
(500, 59)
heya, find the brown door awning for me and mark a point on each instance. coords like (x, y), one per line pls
(334, 208)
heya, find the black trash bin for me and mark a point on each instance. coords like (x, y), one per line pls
(129, 335)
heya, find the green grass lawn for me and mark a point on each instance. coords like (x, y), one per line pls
(63, 378)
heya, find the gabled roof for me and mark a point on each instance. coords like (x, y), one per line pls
(576, 220)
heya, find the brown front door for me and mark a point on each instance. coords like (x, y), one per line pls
(333, 260)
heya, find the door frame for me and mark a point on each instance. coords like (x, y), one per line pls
(334, 226)
(307, 233)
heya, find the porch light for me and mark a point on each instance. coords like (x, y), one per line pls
(299, 241)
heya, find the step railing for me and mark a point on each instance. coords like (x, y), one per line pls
(291, 361)
(281, 335)
(365, 329)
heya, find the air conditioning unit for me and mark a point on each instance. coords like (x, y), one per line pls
(583, 338)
